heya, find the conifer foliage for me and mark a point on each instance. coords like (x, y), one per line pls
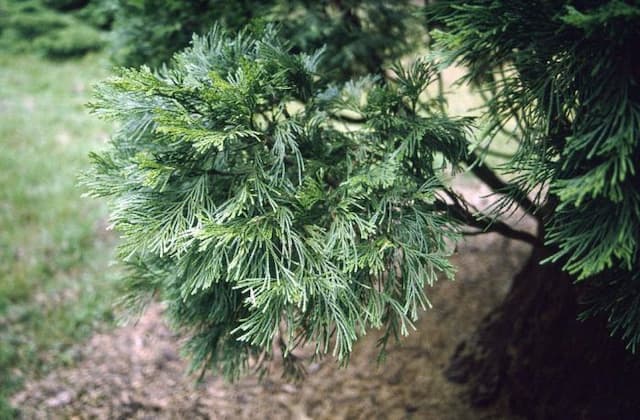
(259, 200)
(261, 195)
(564, 79)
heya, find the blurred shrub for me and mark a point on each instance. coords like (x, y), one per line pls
(151, 31)
(31, 26)
(98, 13)
(24, 21)
(66, 5)
(360, 35)
(69, 42)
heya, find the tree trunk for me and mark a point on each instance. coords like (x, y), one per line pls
(547, 363)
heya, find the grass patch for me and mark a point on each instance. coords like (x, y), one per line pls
(55, 282)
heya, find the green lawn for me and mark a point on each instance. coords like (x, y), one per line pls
(56, 285)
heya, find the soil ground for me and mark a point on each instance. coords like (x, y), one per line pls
(136, 372)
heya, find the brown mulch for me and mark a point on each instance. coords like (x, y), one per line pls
(136, 372)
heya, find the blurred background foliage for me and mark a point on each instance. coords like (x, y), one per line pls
(54, 28)
(359, 35)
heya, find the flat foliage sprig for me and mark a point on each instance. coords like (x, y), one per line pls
(260, 201)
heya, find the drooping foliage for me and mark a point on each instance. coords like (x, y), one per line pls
(260, 200)
(563, 78)
(263, 194)
(359, 35)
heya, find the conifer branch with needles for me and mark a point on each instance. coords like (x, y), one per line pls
(252, 209)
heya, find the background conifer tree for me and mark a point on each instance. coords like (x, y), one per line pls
(360, 36)
(263, 195)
